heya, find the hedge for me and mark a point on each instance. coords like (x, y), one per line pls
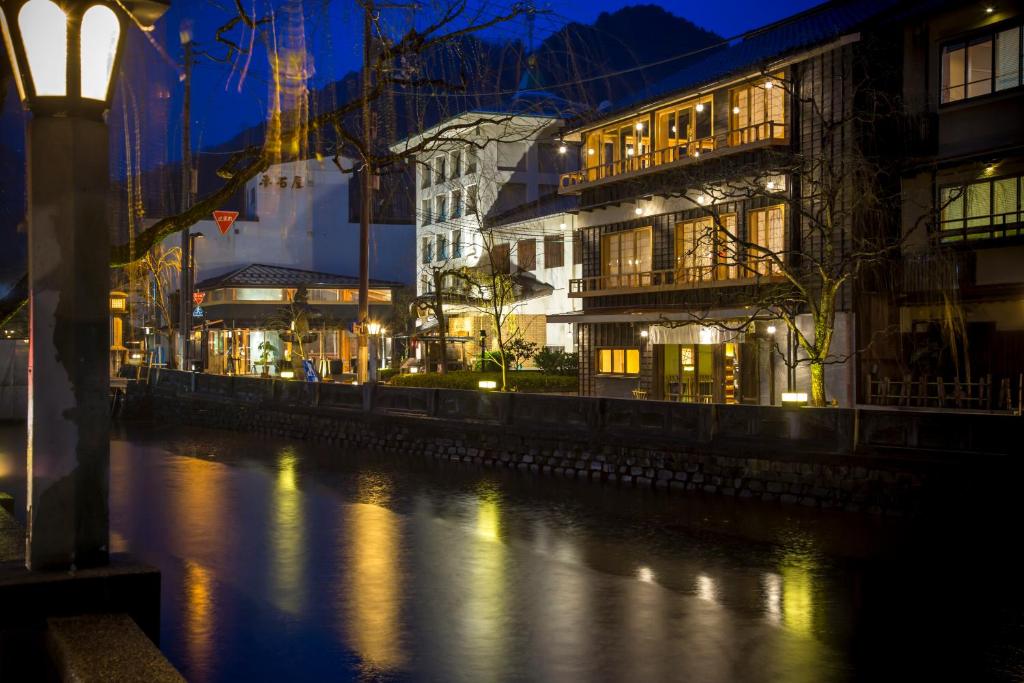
(525, 381)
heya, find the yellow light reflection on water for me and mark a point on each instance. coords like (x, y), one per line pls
(373, 602)
(288, 535)
(199, 626)
(797, 598)
(487, 595)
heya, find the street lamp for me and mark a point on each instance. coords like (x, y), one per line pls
(373, 329)
(64, 56)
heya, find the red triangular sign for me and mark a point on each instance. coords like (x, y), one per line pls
(224, 220)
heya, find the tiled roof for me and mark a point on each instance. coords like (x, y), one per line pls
(260, 275)
(816, 26)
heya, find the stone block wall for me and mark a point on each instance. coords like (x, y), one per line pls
(816, 458)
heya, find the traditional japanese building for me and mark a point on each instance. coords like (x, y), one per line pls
(250, 318)
(701, 213)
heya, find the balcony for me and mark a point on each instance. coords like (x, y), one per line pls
(767, 134)
(673, 279)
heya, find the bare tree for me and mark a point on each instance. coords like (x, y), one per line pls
(161, 267)
(826, 214)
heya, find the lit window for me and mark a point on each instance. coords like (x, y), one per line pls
(757, 112)
(626, 257)
(987, 209)
(618, 361)
(765, 228)
(987, 63)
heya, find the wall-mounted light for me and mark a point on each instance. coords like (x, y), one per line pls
(629, 151)
(699, 107)
(638, 211)
(561, 226)
(640, 126)
(990, 10)
(590, 151)
(644, 334)
(702, 199)
(770, 185)
(771, 329)
(562, 149)
(768, 85)
(735, 110)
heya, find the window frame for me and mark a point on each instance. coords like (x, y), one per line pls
(549, 242)
(988, 34)
(966, 233)
(754, 264)
(623, 369)
(526, 254)
(635, 273)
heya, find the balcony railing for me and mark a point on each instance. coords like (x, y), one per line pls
(674, 278)
(984, 227)
(769, 132)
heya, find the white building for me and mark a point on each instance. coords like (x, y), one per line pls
(492, 176)
(299, 217)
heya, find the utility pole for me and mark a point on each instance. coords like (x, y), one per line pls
(184, 289)
(363, 358)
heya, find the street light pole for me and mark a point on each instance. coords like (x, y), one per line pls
(185, 289)
(64, 58)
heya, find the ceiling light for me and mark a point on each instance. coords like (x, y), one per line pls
(700, 106)
(590, 152)
(640, 126)
(638, 211)
(562, 149)
(735, 110)
(768, 85)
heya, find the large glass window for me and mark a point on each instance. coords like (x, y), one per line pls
(425, 212)
(439, 166)
(427, 252)
(685, 129)
(456, 164)
(977, 67)
(471, 192)
(765, 228)
(442, 247)
(618, 361)
(626, 258)
(704, 252)
(757, 111)
(259, 294)
(440, 208)
(456, 206)
(986, 209)
(456, 243)
(694, 250)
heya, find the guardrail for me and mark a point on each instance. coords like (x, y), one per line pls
(737, 138)
(722, 428)
(673, 278)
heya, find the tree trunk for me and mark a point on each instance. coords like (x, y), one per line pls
(442, 323)
(817, 383)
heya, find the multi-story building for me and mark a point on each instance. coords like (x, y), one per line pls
(487, 198)
(704, 207)
(300, 231)
(961, 305)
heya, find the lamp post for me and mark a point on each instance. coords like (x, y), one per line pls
(64, 56)
(189, 273)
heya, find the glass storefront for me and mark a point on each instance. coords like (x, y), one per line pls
(701, 373)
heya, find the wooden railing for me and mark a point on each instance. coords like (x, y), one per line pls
(688, 151)
(928, 392)
(675, 278)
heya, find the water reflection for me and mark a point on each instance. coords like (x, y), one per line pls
(372, 601)
(287, 535)
(199, 623)
(288, 562)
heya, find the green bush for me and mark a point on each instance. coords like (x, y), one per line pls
(387, 374)
(523, 380)
(557, 361)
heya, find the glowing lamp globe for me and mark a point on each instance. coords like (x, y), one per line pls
(65, 53)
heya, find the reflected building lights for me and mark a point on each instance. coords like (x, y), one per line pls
(706, 589)
(374, 600)
(771, 585)
(645, 574)
(288, 535)
(797, 599)
(199, 627)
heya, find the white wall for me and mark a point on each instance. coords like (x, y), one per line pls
(303, 227)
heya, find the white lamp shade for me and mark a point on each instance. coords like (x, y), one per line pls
(44, 32)
(100, 33)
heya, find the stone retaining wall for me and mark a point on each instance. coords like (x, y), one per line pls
(811, 457)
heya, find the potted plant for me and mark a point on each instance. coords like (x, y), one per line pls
(266, 358)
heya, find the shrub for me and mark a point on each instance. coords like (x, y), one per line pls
(518, 351)
(557, 361)
(525, 381)
(387, 374)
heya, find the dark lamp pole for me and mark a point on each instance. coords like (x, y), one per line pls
(64, 56)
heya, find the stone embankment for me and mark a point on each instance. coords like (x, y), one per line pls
(891, 462)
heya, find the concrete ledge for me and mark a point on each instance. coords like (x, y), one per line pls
(106, 647)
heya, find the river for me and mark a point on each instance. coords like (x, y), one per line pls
(290, 561)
